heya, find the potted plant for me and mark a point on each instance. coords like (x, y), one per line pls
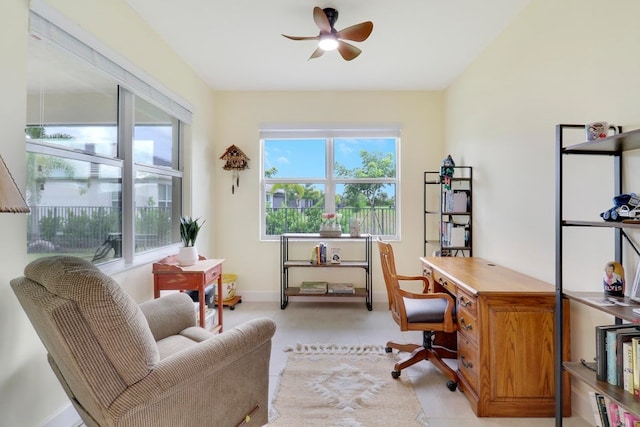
(189, 229)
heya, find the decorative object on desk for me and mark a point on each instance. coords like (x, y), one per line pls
(325, 384)
(236, 161)
(354, 227)
(189, 229)
(330, 226)
(598, 130)
(613, 279)
(335, 256)
(446, 171)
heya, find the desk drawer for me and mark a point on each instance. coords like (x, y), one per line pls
(467, 302)
(467, 324)
(468, 361)
(212, 274)
(443, 281)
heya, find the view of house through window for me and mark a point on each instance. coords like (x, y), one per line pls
(80, 126)
(353, 177)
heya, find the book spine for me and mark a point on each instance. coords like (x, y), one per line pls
(627, 366)
(612, 375)
(593, 398)
(602, 407)
(635, 342)
(601, 354)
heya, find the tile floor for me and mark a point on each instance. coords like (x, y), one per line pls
(352, 323)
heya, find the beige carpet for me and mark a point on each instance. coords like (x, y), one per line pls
(346, 386)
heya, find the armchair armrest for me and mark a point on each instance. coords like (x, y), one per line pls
(235, 362)
(169, 314)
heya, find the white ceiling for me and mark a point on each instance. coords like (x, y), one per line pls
(415, 44)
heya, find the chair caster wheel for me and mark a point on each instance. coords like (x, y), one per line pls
(395, 374)
(388, 349)
(452, 385)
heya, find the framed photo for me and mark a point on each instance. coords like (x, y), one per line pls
(635, 289)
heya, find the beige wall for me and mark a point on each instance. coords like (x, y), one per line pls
(557, 63)
(238, 119)
(554, 64)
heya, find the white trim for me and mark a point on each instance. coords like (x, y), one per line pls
(49, 24)
(66, 417)
(330, 130)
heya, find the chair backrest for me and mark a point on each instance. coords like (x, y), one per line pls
(388, 264)
(95, 334)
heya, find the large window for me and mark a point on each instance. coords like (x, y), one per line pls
(350, 173)
(103, 179)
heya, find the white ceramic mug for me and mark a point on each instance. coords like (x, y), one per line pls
(597, 130)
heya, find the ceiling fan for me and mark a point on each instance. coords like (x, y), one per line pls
(330, 39)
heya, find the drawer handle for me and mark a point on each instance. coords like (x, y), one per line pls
(442, 282)
(464, 303)
(464, 362)
(466, 326)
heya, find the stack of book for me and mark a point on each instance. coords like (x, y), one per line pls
(607, 413)
(341, 288)
(617, 356)
(315, 288)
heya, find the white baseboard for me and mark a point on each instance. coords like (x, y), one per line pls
(259, 296)
(66, 417)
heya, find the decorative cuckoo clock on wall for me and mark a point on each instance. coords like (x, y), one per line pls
(235, 160)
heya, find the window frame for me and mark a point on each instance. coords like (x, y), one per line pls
(330, 182)
(131, 83)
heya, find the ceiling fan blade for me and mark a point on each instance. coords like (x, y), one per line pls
(357, 33)
(316, 53)
(301, 38)
(321, 20)
(348, 51)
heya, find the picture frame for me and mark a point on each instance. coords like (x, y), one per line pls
(635, 289)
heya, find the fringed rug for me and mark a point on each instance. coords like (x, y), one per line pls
(345, 386)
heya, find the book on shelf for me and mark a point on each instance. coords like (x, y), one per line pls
(594, 407)
(627, 366)
(601, 348)
(313, 288)
(602, 408)
(621, 339)
(341, 288)
(635, 343)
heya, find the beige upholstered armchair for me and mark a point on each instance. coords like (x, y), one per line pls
(122, 364)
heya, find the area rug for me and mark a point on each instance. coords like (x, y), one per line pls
(343, 386)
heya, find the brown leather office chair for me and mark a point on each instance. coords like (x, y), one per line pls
(427, 312)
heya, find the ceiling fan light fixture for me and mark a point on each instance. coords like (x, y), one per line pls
(328, 42)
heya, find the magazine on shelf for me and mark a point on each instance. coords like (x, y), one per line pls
(313, 288)
(341, 288)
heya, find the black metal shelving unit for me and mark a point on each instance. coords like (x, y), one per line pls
(438, 213)
(286, 264)
(612, 146)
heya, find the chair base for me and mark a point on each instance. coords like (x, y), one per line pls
(419, 353)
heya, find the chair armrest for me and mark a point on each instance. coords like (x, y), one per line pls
(231, 357)
(425, 281)
(169, 314)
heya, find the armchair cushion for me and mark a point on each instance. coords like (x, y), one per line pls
(425, 310)
(115, 319)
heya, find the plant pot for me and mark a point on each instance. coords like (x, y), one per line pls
(187, 255)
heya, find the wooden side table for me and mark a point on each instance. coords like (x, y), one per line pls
(169, 275)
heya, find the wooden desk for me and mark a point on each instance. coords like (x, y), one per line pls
(168, 275)
(505, 334)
